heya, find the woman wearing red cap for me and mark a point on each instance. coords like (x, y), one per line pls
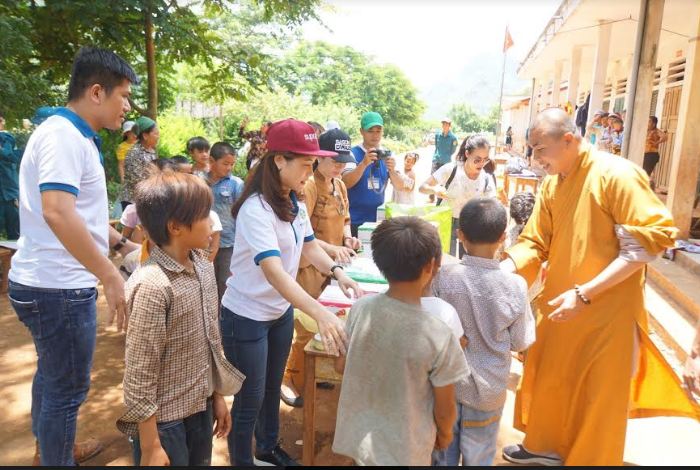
(273, 230)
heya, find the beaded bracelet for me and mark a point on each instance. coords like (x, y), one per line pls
(583, 298)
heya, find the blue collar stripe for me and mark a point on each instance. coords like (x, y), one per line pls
(82, 126)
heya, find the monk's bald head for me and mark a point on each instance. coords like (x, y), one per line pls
(553, 123)
(554, 141)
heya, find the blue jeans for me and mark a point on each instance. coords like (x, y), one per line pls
(63, 324)
(187, 442)
(475, 434)
(258, 349)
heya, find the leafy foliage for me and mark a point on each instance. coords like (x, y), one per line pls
(329, 74)
(469, 121)
(50, 33)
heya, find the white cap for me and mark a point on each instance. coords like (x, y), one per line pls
(127, 126)
(332, 125)
(446, 119)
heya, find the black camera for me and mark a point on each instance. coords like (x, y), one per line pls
(383, 154)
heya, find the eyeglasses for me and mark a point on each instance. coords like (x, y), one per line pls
(476, 161)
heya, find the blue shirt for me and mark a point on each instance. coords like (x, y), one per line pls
(226, 191)
(445, 146)
(9, 167)
(368, 192)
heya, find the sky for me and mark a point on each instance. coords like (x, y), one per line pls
(432, 39)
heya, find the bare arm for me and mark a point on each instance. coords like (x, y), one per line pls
(351, 178)
(330, 326)
(214, 245)
(120, 167)
(313, 252)
(59, 212)
(445, 414)
(569, 305)
(152, 453)
(429, 186)
(341, 254)
(394, 175)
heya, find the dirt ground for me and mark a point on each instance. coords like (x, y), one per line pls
(652, 441)
(104, 404)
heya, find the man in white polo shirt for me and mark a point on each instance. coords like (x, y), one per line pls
(63, 246)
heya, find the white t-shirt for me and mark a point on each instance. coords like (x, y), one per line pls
(445, 312)
(60, 155)
(131, 219)
(261, 234)
(462, 188)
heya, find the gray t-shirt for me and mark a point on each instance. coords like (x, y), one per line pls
(397, 354)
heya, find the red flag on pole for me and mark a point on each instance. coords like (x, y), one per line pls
(508, 41)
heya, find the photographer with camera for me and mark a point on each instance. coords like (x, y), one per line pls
(368, 178)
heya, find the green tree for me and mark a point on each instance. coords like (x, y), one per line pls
(328, 74)
(466, 118)
(23, 84)
(490, 121)
(152, 34)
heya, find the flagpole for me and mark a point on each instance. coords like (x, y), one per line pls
(500, 101)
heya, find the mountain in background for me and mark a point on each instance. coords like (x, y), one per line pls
(477, 85)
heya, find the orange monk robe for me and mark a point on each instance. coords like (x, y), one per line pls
(577, 390)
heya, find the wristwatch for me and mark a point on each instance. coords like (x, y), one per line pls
(333, 268)
(120, 244)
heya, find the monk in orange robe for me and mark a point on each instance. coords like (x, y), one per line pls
(592, 365)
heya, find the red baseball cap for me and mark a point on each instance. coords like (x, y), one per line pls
(294, 136)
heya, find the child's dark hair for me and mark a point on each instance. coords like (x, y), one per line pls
(220, 149)
(521, 205)
(471, 143)
(98, 66)
(180, 160)
(163, 164)
(402, 246)
(483, 220)
(197, 143)
(171, 196)
(414, 155)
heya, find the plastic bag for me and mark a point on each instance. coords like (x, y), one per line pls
(440, 216)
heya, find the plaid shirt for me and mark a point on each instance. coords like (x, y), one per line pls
(174, 356)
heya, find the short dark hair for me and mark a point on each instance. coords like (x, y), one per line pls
(98, 66)
(164, 163)
(521, 205)
(180, 160)
(198, 143)
(171, 196)
(402, 246)
(654, 119)
(220, 149)
(483, 220)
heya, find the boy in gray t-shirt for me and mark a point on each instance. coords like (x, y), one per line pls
(397, 401)
(497, 319)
